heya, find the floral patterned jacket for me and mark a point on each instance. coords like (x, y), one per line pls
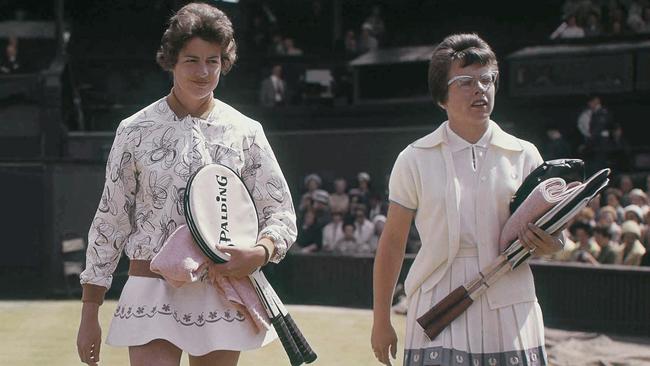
(153, 155)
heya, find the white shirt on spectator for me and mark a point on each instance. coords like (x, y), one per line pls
(332, 233)
(278, 86)
(565, 31)
(584, 120)
(363, 233)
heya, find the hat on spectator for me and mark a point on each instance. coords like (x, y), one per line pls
(314, 177)
(609, 209)
(363, 176)
(321, 196)
(638, 193)
(632, 227)
(636, 209)
(378, 218)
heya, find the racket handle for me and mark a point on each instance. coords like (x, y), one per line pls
(307, 353)
(438, 325)
(295, 357)
(442, 307)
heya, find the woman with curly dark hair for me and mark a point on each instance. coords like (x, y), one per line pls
(154, 153)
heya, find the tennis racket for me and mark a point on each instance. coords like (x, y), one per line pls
(220, 210)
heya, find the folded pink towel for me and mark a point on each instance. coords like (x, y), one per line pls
(180, 261)
(544, 197)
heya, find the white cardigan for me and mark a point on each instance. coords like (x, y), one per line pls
(419, 181)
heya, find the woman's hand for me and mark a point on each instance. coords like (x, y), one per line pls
(89, 337)
(384, 341)
(243, 261)
(539, 241)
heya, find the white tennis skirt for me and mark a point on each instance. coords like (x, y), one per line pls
(194, 317)
(508, 336)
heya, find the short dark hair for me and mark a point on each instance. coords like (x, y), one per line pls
(468, 48)
(197, 20)
(580, 226)
(603, 231)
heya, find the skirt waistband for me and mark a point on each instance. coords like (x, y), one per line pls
(141, 268)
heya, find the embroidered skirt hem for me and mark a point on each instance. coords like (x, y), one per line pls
(194, 317)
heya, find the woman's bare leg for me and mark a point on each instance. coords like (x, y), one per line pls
(216, 358)
(158, 352)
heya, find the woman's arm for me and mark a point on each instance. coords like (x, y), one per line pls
(271, 194)
(106, 239)
(388, 262)
(111, 225)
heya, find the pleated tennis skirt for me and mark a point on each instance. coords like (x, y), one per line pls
(194, 317)
(507, 336)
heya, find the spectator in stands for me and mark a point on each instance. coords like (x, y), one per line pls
(586, 216)
(607, 219)
(367, 42)
(320, 205)
(360, 194)
(639, 198)
(363, 228)
(616, 29)
(610, 252)
(633, 213)
(312, 182)
(348, 244)
(339, 199)
(274, 90)
(587, 249)
(595, 125)
(568, 29)
(613, 197)
(290, 48)
(310, 236)
(378, 221)
(625, 185)
(350, 44)
(10, 63)
(633, 250)
(556, 146)
(333, 232)
(376, 23)
(592, 26)
(377, 205)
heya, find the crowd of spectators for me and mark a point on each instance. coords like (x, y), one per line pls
(602, 18)
(344, 220)
(613, 229)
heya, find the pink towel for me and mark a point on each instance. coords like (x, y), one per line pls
(544, 197)
(180, 261)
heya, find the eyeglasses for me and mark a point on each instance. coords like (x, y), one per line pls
(466, 82)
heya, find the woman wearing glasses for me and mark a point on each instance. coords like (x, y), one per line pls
(457, 183)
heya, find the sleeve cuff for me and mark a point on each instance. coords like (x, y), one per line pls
(93, 293)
